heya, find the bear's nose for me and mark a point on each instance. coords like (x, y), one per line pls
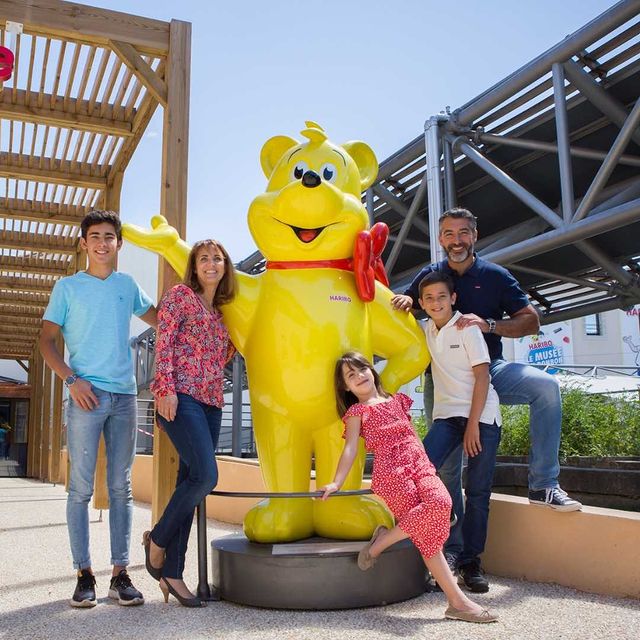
(311, 179)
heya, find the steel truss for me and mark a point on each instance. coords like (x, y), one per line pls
(548, 159)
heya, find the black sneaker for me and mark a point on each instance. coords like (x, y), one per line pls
(85, 593)
(472, 576)
(121, 589)
(554, 498)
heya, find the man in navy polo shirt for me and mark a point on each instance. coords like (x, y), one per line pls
(485, 293)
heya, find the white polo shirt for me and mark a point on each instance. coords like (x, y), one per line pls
(454, 352)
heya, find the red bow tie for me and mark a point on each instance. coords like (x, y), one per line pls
(366, 264)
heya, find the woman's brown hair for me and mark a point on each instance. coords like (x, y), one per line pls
(227, 286)
(344, 397)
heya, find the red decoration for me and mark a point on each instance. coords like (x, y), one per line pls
(366, 264)
(367, 260)
(6, 63)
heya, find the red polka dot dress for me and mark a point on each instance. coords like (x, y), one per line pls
(403, 476)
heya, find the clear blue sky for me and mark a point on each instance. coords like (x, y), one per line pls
(372, 71)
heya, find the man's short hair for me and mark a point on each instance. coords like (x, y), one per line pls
(434, 277)
(98, 217)
(459, 213)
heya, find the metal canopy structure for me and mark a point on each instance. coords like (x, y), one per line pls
(85, 84)
(549, 161)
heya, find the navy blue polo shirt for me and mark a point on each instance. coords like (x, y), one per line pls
(486, 289)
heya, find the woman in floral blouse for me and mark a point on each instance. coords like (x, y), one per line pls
(192, 349)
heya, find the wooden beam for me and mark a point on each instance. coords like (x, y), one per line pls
(81, 23)
(26, 284)
(173, 205)
(145, 112)
(12, 307)
(20, 332)
(16, 106)
(141, 70)
(12, 328)
(15, 333)
(18, 338)
(16, 347)
(27, 298)
(42, 211)
(37, 266)
(36, 242)
(52, 171)
(7, 319)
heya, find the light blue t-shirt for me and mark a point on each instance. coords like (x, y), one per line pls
(95, 317)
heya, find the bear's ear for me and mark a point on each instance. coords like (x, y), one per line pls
(366, 160)
(273, 150)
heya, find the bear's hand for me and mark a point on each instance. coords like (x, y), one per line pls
(159, 238)
(162, 239)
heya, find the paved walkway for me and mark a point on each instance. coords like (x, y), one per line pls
(36, 582)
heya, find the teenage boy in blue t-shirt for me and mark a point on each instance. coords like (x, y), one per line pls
(93, 310)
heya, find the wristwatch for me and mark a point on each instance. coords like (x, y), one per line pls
(69, 380)
(492, 324)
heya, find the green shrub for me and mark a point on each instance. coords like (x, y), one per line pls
(420, 426)
(592, 425)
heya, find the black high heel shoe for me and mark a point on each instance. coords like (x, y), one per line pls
(154, 572)
(167, 589)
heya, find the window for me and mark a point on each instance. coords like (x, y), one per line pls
(593, 325)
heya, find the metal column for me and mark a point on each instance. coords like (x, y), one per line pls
(236, 408)
(564, 151)
(434, 184)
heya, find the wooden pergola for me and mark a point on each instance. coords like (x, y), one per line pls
(85, 85)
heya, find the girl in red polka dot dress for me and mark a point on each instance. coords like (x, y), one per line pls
(402, 475)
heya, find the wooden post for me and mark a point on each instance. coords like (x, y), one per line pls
(56, 431)
(46, 423)
(31, 428)
(173, 206)
(37, 417)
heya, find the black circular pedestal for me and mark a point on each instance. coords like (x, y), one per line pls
(313, 574)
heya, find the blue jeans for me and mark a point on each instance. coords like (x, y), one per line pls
(115, 416)
(516, 383)
(443, 437)
(194, 433)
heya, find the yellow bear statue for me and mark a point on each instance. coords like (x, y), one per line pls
(292, 322)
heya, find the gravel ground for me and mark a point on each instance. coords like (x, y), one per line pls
(37, 580)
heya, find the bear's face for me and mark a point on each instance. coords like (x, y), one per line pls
(312, 208)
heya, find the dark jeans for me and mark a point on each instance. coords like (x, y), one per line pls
(194, 433)
(443, 437)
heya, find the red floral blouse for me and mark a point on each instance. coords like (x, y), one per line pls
(192, 347)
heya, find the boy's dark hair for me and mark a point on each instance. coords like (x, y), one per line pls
(344, 397)
(98, 217)
(433, 278)
(227, 286)
(459, 212)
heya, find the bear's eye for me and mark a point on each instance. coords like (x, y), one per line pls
(328, 172)
(299, 170)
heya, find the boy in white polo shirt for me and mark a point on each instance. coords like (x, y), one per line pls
(466, 410)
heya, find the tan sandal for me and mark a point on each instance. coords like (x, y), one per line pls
(365, 560)
(469, 616)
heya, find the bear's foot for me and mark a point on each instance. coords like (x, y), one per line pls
(280, 520)
(350, 518)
